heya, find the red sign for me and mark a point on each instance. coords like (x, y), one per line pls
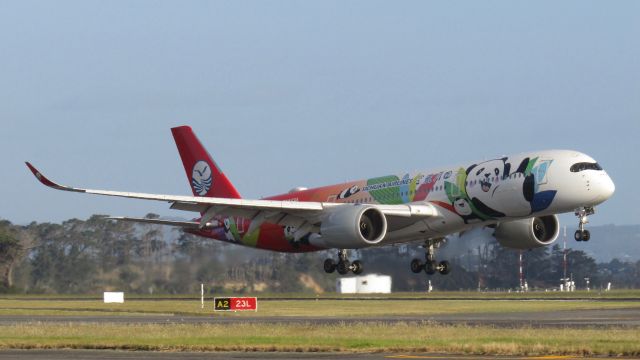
(235, 304)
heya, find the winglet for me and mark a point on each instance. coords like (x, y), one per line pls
(48, 182)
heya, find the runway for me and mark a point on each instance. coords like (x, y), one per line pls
(622, 317)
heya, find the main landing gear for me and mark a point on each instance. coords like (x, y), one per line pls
(582, 214)
(343, 266)
(430, 266)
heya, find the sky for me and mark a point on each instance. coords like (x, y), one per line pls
(302, 93)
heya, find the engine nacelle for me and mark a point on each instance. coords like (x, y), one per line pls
(352, 227)
(528, 233)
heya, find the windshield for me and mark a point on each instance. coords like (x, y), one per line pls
(581, 166)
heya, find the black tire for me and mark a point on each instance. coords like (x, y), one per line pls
(416, 266)
(343, 267)
(430, 268)
(586, 235)
(578, 235)
(329, 266)
(444, 268)
(357, 267)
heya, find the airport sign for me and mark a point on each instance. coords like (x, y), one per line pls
(235, 304)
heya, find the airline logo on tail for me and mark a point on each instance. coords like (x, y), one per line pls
(201, 178)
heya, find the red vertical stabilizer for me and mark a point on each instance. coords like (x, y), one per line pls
(204, 175)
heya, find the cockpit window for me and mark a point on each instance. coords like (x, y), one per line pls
(577, 167)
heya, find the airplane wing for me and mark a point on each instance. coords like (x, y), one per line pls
(303, 215)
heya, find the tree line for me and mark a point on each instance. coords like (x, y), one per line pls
(95, 255)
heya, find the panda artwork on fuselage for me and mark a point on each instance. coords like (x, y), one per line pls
(496, 192)
(482, 183)
(228, 231)
(463, 209)
(348, 192)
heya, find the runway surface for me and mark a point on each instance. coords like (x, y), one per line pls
(566, 318)
(121, 355)
(599, 318)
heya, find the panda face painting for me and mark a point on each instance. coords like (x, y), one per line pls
(289, 232)
(485, 174)
(462, 207)
(482, 183)
(349, 192)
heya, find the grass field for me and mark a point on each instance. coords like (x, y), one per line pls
(400, 337)
(348, 336)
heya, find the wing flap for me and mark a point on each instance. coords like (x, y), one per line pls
(183, 224)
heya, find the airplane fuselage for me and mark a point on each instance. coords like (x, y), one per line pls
(474, 194)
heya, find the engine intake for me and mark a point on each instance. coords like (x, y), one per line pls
(352, 227)
(528, 233)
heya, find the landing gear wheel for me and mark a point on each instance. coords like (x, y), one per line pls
(430, 268)
(356, 267)
(329, 266)
(343, 267)
(444, 268)
(583, 218)
(416, 266)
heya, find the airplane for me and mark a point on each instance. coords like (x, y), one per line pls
(518, 196)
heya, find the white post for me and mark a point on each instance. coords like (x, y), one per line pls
(202, 296)
(521, 272)
(564, 260)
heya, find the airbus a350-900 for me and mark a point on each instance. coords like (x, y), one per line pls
(519, 196)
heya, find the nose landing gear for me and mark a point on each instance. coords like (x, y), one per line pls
(583, 213)
(430, 266)
(343, 265)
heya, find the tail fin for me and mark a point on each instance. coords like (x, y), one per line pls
(203, 173)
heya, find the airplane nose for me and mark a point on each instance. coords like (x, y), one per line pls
(610, 187)
(606, 188)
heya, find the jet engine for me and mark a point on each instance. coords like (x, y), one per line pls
(352, 227)
(528, 233)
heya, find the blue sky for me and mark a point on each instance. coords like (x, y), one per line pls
(304, 93)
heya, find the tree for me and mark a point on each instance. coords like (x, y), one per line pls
(539, 268)
(582, 266)
(10, 252)
(502, 268)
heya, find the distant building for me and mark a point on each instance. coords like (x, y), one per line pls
(368, 284)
